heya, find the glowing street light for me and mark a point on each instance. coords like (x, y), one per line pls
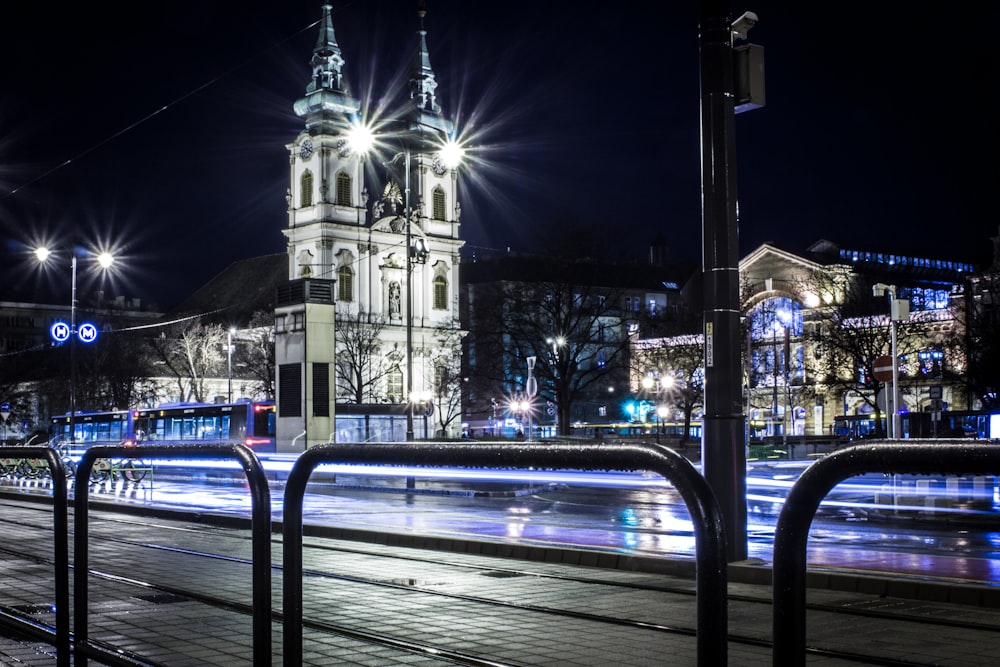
(362, 139)
(62, 333)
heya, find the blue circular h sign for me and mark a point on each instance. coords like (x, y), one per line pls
(60, 331)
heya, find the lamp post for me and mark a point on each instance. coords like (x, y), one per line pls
(899, 309)
(229, 354)
(661, 415)
(361, 139)
(60, 333)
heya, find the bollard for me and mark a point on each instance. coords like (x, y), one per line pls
(791, 534)
(710, 541)
(60, 527)
(260, 522)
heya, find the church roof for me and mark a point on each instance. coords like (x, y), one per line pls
(536, 269)
(241, 289)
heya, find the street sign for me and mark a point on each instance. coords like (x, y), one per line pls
(5, 410)
(60, 331)
(87, 332)
(882, 368)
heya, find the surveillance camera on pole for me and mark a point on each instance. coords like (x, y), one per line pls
(748, 67)
(742, 25)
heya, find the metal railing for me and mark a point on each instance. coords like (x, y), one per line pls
(792, 532)
(710, 545)
(60, 527)
(260, 531)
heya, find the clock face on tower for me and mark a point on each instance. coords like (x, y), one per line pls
(438, 165)
(306, 150)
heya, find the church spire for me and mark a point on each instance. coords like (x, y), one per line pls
(423, 85)
(326, 62)
(327, 103)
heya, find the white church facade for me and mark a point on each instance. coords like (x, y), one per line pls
(375, 321)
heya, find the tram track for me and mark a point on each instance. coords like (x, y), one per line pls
(495, 570)
(454, 567)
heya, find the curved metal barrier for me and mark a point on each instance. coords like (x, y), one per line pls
(60, 526)
(260, 530)
(710, 541)
(792, 532)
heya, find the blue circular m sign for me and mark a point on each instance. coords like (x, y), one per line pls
(87, 332)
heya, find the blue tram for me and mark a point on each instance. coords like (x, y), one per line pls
(251, 423)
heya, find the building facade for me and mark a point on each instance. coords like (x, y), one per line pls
(815, 325)
(392, 258)
(549, 338)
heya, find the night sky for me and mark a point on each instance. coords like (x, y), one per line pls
(161, 127)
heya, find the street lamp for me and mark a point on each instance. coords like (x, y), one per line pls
(229, 353)
(899, 310)
(661, 415)
(362, 139)
(60, 333)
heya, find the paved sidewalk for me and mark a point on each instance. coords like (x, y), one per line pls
(184, 633)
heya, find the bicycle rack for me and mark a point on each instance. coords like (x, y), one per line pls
(260, 530)
(710, 541)
(792, 532)
(60, 521)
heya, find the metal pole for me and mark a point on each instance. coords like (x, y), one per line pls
(724, 433)
(895, 367)
(229, 351)
(409, 302)
(72, 352)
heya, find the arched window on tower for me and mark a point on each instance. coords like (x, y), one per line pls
(440, 292)
(438, 200)
(343, 189)
(345, 283)
(306, 193)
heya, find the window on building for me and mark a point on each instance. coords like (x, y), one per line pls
(395, 385)
(321, 389)
(438, 200)
(306, 194)
(345, 284)
(343, 189)
(290, 390)
(440, 293)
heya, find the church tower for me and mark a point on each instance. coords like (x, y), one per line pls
(394, 264)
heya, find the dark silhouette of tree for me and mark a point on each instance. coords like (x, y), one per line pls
(854, 333)
(447, 381)
(573, 329)
(982, 338)
(675, 369)
(361, 364)
(254, 355)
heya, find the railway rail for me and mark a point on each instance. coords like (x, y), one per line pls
(166, 592)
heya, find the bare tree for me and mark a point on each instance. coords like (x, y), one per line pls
(982, 338)
(447, 381)
(361, 365)
(116, 373)
(856, 332)
(676, 367)
(257, 353)
(574, 330)
(192, 352)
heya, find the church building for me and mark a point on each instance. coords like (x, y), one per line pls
(369, 320)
